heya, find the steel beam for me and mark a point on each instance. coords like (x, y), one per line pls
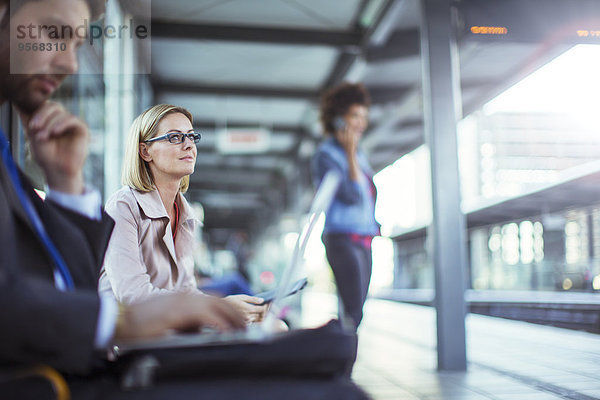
(348, 57)
(254, 91)
(441, 109)
(401, 44)
(312, 37)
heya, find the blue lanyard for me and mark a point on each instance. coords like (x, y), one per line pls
(61, 272)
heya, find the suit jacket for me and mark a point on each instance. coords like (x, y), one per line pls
(142, 259)
(41, 324)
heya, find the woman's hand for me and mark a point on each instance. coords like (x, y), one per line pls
(348, 139)
(251, 307)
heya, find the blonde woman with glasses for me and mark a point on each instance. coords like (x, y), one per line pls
(150, 250)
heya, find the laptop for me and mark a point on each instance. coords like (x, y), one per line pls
(255, 332)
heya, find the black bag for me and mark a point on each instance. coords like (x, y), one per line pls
(325, 352)
(299, 365)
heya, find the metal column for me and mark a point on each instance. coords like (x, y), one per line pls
(441, 110)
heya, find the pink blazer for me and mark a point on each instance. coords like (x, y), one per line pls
(142, 260)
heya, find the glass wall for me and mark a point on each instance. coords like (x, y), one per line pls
(108, 91)
(537, 134)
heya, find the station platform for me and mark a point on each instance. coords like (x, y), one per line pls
(507, 360)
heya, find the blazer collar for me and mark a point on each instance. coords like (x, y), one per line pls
(150, 203)
(186, 214)
(152, 206)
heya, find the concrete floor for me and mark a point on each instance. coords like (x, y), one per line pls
(508, 360)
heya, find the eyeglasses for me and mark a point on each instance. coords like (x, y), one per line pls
(176, 137)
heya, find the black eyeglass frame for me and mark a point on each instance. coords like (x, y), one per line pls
(194, 137)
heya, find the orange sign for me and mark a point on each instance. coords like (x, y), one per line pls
(588, 33)
(489, 30)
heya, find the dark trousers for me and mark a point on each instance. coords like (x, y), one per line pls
(351, 264)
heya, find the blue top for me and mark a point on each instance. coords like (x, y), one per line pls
(353, 208)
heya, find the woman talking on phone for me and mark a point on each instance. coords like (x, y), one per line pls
(350, 222)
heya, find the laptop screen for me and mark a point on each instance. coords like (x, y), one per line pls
(320, 204)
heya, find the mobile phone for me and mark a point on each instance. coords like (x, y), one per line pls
(269, 295)
(339, 124)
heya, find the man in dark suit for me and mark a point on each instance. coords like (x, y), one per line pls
(51, 251)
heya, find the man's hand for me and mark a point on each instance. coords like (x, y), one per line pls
(58, 142)
(251, 307)
(178, 311)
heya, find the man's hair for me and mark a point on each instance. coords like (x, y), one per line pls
(336, 102)
(136, 172)
(97, 7)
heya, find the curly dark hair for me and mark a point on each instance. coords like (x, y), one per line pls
(336, 101)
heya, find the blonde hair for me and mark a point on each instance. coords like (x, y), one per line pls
(136, 172)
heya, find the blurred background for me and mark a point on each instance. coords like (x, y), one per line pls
(251, 72)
